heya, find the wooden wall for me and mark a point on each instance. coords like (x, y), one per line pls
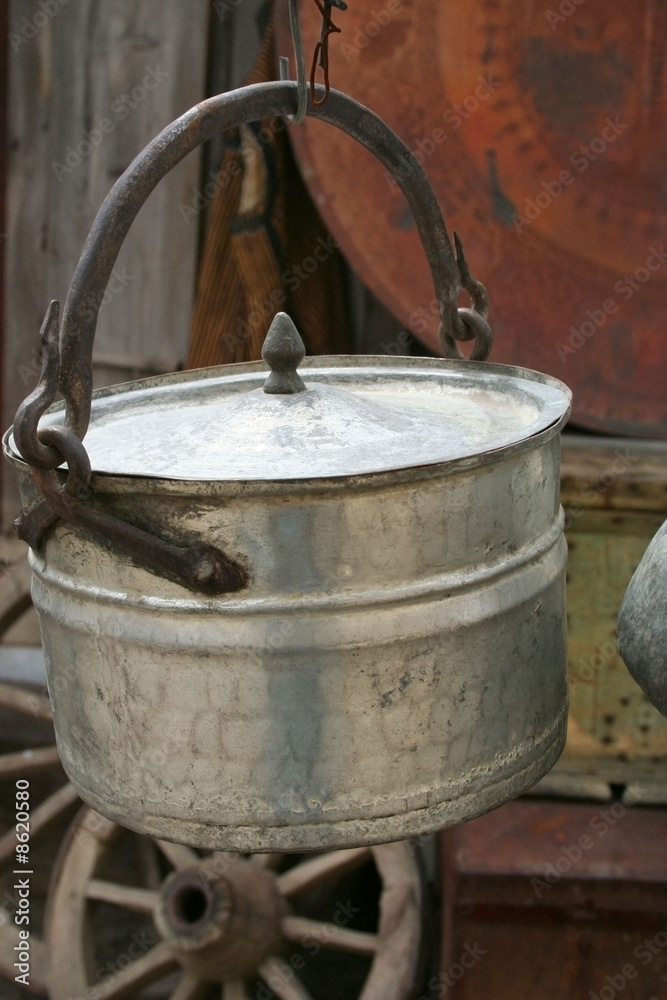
(68, 73)
(121, 70)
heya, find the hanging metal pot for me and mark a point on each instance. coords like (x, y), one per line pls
(642, 622)
(300, 611)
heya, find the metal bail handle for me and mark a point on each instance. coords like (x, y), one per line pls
(205, 120)
(67, 359)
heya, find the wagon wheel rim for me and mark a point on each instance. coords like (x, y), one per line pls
(13, 766)
(394, 949)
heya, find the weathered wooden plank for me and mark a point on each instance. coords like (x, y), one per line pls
(618, 474)
(612, 715)
(614, 492)
(89, 87)
(553, 900)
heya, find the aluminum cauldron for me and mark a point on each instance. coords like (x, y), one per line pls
(296, 610)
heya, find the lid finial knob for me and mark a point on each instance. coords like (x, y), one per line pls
(283, 351)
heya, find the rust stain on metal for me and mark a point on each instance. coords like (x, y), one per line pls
(468, 78)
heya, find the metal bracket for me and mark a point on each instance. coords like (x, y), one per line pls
(199, 567)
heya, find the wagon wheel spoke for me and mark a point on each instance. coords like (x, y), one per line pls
(284, 984)
(17, 765)
(137, 900)
(148, 969)
(40, 819)
(321, 869)
(178, 855)
(222, 857)
(330, 935)
(12, 613)
(190, 987)
(270, 861)
(25, 702)
(149, 860)
(387, 958)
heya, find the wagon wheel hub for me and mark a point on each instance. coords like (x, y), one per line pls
(221, 918)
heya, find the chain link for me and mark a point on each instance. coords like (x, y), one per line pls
(467, 324)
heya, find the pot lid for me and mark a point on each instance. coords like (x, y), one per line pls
(347, 416)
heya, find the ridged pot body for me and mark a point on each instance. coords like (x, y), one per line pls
(396, 663)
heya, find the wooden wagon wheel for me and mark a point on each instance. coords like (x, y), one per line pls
(52, 798)
(219, 925)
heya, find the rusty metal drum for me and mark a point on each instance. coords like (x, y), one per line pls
(294, 610)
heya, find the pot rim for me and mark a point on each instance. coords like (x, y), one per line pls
(116, 483)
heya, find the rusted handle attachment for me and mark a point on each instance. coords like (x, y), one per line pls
(200, 567)
(68, 359)
(472, 322)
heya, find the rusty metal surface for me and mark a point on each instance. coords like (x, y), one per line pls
(562, 842)
(552, 900)
(498, 101)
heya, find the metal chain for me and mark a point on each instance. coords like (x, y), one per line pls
(321, 54)
(467, 324)
(300, 59)
(320, 57)
(50, 447)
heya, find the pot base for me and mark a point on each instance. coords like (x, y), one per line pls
(346, 833)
